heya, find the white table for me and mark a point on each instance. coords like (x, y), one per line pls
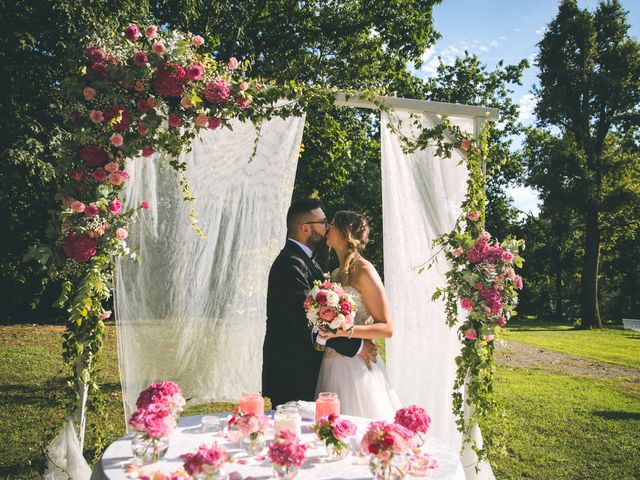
(189, 435)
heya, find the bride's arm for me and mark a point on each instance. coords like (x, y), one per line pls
(366, 279)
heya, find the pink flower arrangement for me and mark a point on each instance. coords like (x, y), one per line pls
(218, 92)
(329, 307)
(207, 460)
(249, 425)
(334, 431)
(414, 418)
(386, 439)
(154, 420)
(286, 450)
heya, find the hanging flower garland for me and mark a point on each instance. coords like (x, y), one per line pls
(482, 281)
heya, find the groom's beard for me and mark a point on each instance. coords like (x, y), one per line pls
(315, 240)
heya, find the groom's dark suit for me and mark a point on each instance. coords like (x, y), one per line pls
(290, 363)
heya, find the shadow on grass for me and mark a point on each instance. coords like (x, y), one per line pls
(46, 395)
(617, 415)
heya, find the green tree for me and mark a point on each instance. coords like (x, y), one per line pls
(589, 88)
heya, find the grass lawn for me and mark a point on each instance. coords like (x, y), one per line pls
(556, 426)
(611, 345)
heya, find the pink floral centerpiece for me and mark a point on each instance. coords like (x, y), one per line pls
(415, 419)
(155, 419)
(334, 431)
(250, 428)
(388, 444)
(206, 463)
(287, 454)
(330, 308)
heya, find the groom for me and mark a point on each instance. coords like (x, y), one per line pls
(290, 363)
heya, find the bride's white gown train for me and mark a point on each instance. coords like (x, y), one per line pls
(362, 392)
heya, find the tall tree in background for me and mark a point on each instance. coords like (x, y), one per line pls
(589, 89)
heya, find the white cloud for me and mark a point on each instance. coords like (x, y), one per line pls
(433, 56)
(525, 199)
(527, 104)
(540, 31)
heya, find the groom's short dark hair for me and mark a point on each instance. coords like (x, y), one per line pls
(299, 209)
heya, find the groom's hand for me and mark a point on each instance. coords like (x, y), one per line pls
(369, 352)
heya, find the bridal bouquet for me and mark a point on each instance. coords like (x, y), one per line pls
(329, 307)
(334, 431)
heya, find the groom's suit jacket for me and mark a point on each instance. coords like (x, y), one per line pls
(290, 363)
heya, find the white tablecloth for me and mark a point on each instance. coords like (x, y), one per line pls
(189, 435)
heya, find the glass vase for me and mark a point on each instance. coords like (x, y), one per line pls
(148, 449)
(395, 467)
(419, 439)
(253, 444)
(216, 475)
(335, 453)
(285, 471)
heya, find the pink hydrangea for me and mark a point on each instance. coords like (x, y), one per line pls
(286, 450)
(166, 393)
(170, 79)
(218, 91)
(80, 248)
(414, 418)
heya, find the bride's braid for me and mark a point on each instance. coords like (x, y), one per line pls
(355, 229)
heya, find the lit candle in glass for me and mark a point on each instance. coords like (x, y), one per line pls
(287, 417)
(252, 402)
(326, 404)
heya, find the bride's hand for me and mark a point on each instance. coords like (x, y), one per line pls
(327, 335)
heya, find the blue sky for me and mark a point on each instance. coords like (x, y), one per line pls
(507, 30)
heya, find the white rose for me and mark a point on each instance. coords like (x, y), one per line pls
(314, 291)
(333, 299)
(336, 322)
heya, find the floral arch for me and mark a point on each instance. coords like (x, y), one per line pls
(154, 90)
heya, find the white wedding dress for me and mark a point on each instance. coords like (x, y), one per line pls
(362, 392)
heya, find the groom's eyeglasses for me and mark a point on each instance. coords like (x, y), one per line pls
(325, 222)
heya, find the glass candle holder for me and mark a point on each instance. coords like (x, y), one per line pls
(252, 402)
(287, 417)
(326, 404)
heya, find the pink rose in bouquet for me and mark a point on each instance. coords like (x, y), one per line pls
(207, 460)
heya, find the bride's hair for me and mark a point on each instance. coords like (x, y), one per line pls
(355, 228)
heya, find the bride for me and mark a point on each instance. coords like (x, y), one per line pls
(362, 391)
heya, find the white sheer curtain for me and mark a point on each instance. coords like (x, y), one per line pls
(421, 197)
(193, 311)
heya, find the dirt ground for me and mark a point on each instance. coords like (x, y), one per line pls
(525, 356)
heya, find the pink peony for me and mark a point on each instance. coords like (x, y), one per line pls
(158, 48)
(121, 233)
(470, 334)
(151, 31)
(140, 59)
(93, 154)
(194, 71)
(117, 140)
(89, 93)
(174, 120)
(115, 206)
(326, 313)
(214, 123)
(202, 120)
(96, 116)
(147, 151)
(218, 91)
(91, 211)
(473, 216)
(79, 247)
(414, 418)
(466, 303)
(111, 167)
(132, 33)
(197, 40)
(118, 116)
(115, 179)
(170, 80)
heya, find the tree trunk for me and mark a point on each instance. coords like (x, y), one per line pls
(590, 311)
(558, 274)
